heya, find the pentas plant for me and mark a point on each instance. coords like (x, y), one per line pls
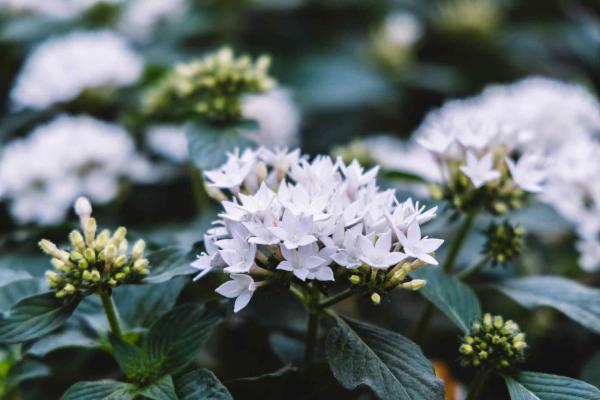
(306, 224)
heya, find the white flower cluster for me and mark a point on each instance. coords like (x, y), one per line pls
(60, 69)
(277, 115)
(287, 213)
(41, 175)
(141, 19)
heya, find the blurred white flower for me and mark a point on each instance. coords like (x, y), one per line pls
(52, 8)
(41, 175)
(61, 68)
(528, 173)
(402, 28)
(142, 18)
(480, 170)
(168, 141)
(277, 115)
(590, 253)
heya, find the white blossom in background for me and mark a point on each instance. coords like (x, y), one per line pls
(277, 115)
(60, 9)
(314, 219)
(61, 68)
(168, 141)
(402, 28)
(42, 174)
(141, 19)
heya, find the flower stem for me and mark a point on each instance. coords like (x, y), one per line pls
(423, 323)
(336, 298)
(470, 270)
(312, 325)
(111, 313)
(478, 384)
(458, 242)
(200, 197)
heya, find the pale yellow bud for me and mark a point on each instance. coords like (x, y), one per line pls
(120, 261)
(415, 284)
(376, 299)
(53, 278)
(90, 231)
(77, 240)
(95, 275)
(119, 235)
(69, 288)
(138, 249)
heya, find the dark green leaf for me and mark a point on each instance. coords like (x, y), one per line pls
(105, 389)
(169, 262)
(208, 144)
(200, 385)
(175, 338)
(591, 370)
(389, 364)
(404, 176)
(162, 389)
(538, 386)
(25, 370)
(69, 338)
(34, 317)
(11, 293)
(131, 359)
(576, 301)
(455, 299)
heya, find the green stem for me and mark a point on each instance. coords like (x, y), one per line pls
(312, 326)
(111, 313)
(200, 196)
(423, 323)
(458, 242)
(470, 270)
(478, 384)
(336, 298)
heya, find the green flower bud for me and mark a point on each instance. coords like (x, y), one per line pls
(69, 289)
(415, 284)
(120, 261)
(77, 240)
(95, 276)
(102, 240)
(140, 265)
(503, 242)
(138, 249)
(354, 279)
(90, 255)
(83, 264)
(494, 344)
(86, 276)
(376, 298)
(90, 231)
(53, 279)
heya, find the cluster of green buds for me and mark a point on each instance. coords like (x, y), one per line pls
(503, 242)
(211, 88)
(94, 261)
(393, 43)
(377, 282)
(468, 17)
(497, 196)
(493, 344)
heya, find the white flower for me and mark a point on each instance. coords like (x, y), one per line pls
(295, 230)
(408, 212)
(277, 116)
(302, 260)
(481, 170)
(435, 138)
(59, 69)
(61, 9)
(378, 255)
(42, 174)
(231, 174)
(355, 175)
(238, 253)
(142, 18)
(241, 287)
(168, 141)
(417, 247)
(590, 253)
(206, 261)
(402, 28)
(348, 253)
(527, 173)
(258, 203)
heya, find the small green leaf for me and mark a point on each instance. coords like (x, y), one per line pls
(169, 262)
(34, 317)
(576, 301)
(209, 144)
(25, 370)
(162, 389)
(392, 366)
(201, 385)
(105, 389)
(455, 299)
(131, 359)
(538, 386)
(69, 338)
(404, 176)
(175, 338)
(11, 293)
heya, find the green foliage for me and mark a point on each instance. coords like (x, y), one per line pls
(455, 299)
(538, 386)
(106, 389)
(34, 317)
(201, 384)
(576, 301)
(392, 366)
(209, 144)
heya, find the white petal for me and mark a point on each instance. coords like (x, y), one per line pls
(229, 289)
(242, 300)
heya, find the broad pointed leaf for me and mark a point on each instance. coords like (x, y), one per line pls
(538, 386)
(105, 389)
(69, 338)
(24, 370)
(162, 389)
(169, 262)
(392, 366)
(455, 299)
(576, 301)
(201, 384)
(34, 317)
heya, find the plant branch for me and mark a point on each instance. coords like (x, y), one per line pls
(476, 387)
(312, 324)
(458, 242)
(336, 298)
(111, 313)
(201, 199)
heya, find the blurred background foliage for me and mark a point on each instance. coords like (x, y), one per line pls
(349, 83)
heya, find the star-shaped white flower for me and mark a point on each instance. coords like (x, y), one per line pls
(378, 255)
(237, 252)
(295, 231)
(528, 173)
(406, 213)
(348, 253)
(417, 247)
(231, 174)
(302, 260)
(481, 170)
(355, 175)
(436, 139)
(241, 287)
(209, 259)
(258, 203)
